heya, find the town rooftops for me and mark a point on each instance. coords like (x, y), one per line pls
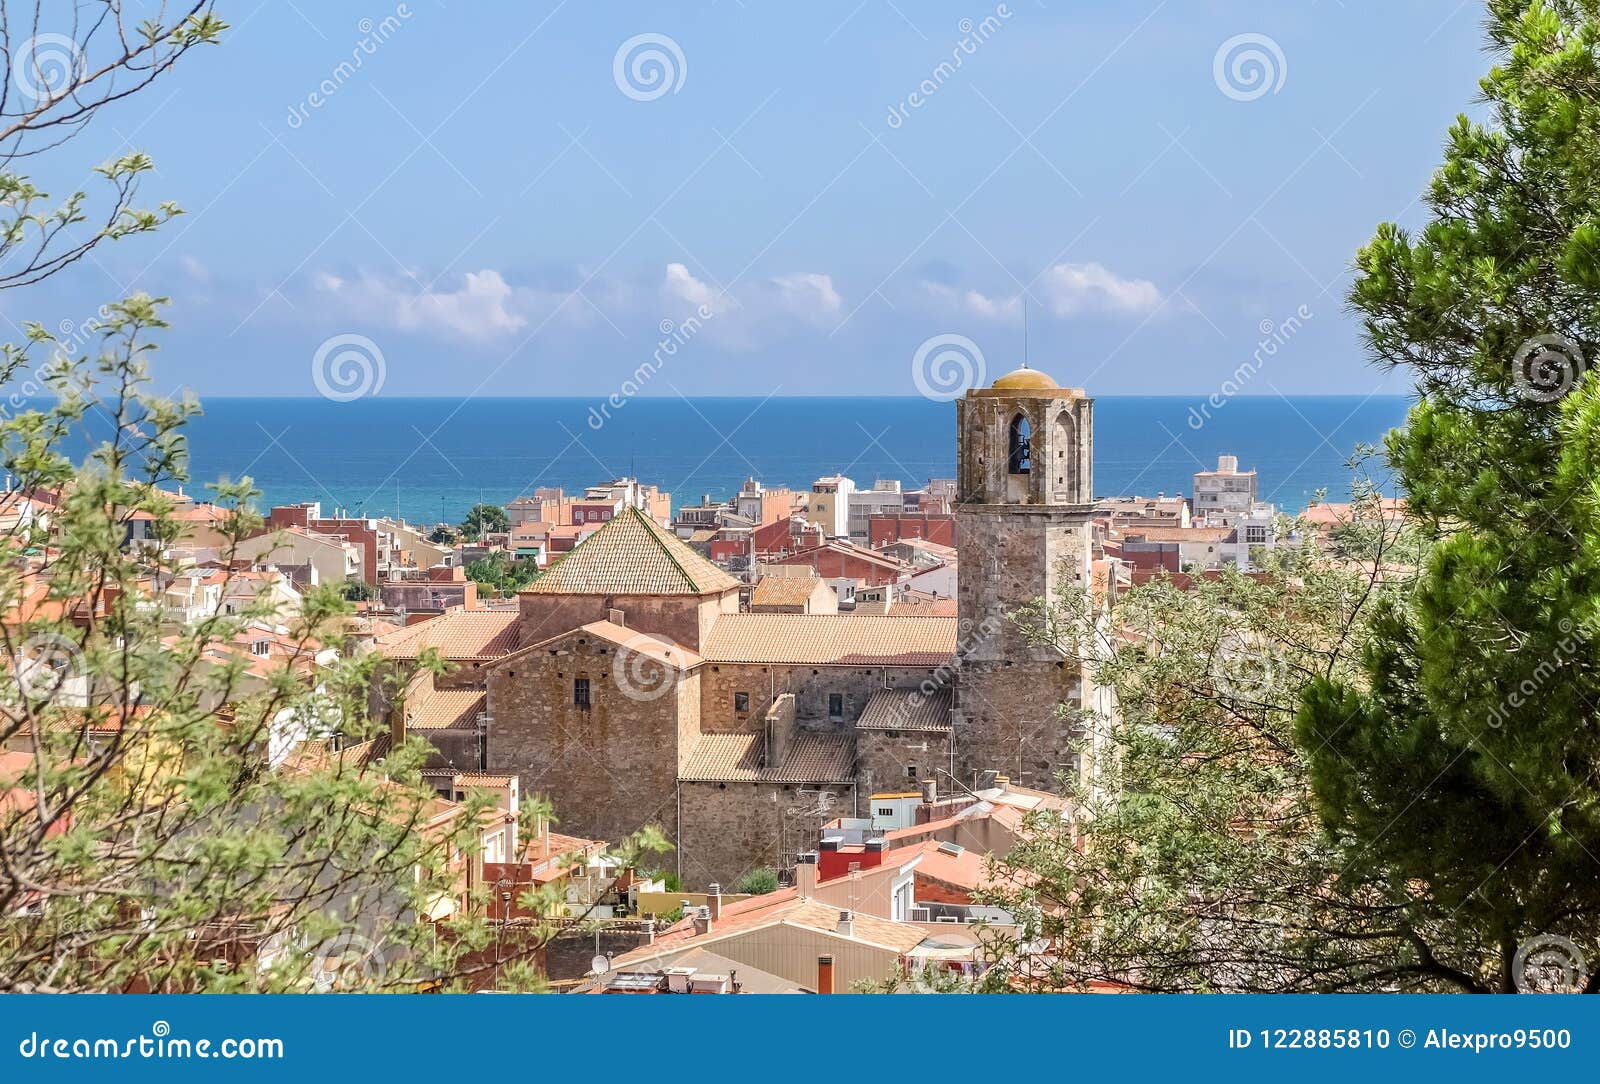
(698, 967)
(903, 709)
(457, 635)
(632, 555)
(648, 645)
(446, 709)
(831, 639)
(1179, 534)
(736, 758)
(784, 590)
(786, 907)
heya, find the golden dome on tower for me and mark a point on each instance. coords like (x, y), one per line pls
(1026, 379)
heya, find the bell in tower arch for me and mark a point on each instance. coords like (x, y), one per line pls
(1020, 457)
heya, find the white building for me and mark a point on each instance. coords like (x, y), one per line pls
(884, 498)
(1226, 489)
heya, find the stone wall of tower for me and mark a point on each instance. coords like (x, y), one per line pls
(1021, 538)
(1062, 430)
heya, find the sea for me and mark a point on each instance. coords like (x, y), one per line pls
(431, 459)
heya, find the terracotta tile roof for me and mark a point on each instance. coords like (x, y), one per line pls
(736, 758)
(831, 639)
(906, 709)
(632, 555)
(482, 779)
(842, 549)
(786, 907)
(1179, 534)
(961, 867)
(724, 758)
(445, 709)
(920, 605)
(816, 758)
(457, 635)
(784, 590)
(648, 644)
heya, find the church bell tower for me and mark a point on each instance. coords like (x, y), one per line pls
(1024, 492)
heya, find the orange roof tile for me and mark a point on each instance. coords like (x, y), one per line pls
(784, 590)
(457, 635)
(785, 907)
(808, 758)
(445, 709)
(906, 709)
(632, 555)
(832, 639)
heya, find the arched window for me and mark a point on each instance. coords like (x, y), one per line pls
(1066, 466)
(1021, 458)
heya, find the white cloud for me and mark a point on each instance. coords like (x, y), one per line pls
(973, 303)
(1067, 289)
(482, 308)
(754, 314)
(808, 295)
(1073, 288)
(681, 285)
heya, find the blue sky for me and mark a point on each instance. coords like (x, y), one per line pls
(487, 204)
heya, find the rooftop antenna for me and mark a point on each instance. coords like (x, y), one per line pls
(1024, 331)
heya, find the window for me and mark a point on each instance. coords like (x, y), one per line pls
(580, 692)
(836, 707)
(741, 701)
(885, 811)
(911, 771)
(1021, 459)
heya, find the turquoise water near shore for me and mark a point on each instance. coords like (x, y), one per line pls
(428, 459)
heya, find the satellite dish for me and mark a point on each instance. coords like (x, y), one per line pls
(599, 965)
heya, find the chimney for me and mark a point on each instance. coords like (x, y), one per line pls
(805, 874)
(824, 974)
(846, 923)
(714, 901)
(930, 791)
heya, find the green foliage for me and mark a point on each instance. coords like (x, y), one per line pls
(758, 882)
(187, 800)
(501, 574)
(485, 519)
(1461, 763)
(1196, 861)
(356, 591)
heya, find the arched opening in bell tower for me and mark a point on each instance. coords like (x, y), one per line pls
(1020, 458)
(1066, 464)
